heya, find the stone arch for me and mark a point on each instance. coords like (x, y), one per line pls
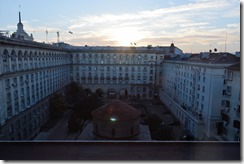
(13, 55)
(5, 55)
(112, 93)
(20, 55)
(123, 93)
(40, 56)
(26, 56)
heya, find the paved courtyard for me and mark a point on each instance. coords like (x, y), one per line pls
(60, 130)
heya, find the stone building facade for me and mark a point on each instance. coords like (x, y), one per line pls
(29, 73)
(193, 89)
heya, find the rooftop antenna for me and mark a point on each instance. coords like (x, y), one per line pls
(225, 40)
(19, 14)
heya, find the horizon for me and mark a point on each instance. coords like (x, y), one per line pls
(192, 25)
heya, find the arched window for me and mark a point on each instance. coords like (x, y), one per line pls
(5, 55)
(13, 55)
(20, 55)
(26, 56)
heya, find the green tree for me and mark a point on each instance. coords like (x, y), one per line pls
(75, 92)
(99, 92)
(57, 105)
(85, 107)
(74, 123)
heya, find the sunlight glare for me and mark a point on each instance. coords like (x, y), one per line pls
(126, 36)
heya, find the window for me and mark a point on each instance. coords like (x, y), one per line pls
(230, 75)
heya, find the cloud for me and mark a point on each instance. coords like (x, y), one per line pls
(199, 21)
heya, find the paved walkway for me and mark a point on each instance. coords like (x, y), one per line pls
(60, 131)
(163, 113)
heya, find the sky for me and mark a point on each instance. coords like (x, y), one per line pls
(192, 25)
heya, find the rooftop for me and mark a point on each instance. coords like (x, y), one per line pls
(117, 109)
(211, 58)
(235, 67)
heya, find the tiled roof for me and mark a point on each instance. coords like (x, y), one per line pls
(116, 109)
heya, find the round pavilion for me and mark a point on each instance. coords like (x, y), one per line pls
(116, 120)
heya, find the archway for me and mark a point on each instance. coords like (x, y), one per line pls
(123, 94)
(112, 93)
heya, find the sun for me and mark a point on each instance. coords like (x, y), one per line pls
(126, 36)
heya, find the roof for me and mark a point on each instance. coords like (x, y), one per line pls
(213, 58)
(234, 67)
(116, 109)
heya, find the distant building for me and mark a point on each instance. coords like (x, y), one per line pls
(130, 70)
(238, 54)
(192, 88)
(30, 72)
(20, 33)
(228, 127)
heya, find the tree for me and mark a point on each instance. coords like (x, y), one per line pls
(215, 50)
(99, 92)
(74, 92)
(74, 123)
(87, 91)
(85, 107)
(57, 105)
(154, 121)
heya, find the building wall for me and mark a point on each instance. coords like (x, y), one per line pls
(230, 109)
(133, 71)
(29, 74)
(118, 129)
(193, 92)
